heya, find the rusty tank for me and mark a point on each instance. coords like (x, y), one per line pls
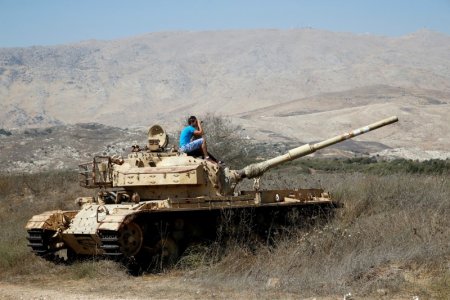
(153, 204)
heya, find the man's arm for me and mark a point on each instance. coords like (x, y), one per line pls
(199, 132)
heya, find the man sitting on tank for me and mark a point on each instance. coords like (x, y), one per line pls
(192, 141)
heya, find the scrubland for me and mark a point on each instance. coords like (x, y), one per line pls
(391, 239)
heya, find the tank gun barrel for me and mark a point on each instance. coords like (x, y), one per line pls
(257, 169)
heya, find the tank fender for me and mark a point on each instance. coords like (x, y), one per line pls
(115, 221)
(51, 220)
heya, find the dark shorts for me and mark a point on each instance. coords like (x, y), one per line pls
(192, 146)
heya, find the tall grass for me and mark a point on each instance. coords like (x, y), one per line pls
(392, 231)
(390, 226)
(21, 197)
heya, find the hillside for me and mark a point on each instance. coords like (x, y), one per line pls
(296, 85)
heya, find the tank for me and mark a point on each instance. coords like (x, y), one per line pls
(153, 204)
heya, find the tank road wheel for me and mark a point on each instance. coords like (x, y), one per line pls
(130, 239)
(166, 252)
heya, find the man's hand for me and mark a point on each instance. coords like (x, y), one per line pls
(200, 131)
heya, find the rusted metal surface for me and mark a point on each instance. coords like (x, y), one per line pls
(51, 220)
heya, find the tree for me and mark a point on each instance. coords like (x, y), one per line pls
(225, 140)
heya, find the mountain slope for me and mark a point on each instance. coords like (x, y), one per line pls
(306, 83)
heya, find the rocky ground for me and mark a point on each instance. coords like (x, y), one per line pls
(66, 146)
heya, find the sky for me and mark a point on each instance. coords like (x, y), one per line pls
(26, 23)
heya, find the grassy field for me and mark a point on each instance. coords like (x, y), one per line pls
(392, 236)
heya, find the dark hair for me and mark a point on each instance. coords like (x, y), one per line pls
(192, 120)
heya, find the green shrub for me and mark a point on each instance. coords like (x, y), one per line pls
(372, 165)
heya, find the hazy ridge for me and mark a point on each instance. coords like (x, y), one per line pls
(295, 85)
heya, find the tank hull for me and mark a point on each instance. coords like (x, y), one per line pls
(156, 232)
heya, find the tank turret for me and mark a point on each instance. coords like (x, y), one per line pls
(156, 172)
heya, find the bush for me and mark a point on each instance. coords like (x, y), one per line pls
(5, 132)
(372, 165)
(225, 140)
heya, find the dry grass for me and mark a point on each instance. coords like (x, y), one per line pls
(391, 230)
(392, 234)
(23, 196)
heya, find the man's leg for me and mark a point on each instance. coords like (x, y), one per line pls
(204, 149)
(192, 147)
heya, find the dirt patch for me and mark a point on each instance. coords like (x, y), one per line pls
(145, 287)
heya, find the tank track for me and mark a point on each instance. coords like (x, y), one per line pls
(138, 251)
(112, 249)
(38, 240)
(110, 244)
(41, 243)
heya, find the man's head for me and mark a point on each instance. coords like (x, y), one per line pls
(192, 120)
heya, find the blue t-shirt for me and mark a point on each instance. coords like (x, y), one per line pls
(186, 135)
